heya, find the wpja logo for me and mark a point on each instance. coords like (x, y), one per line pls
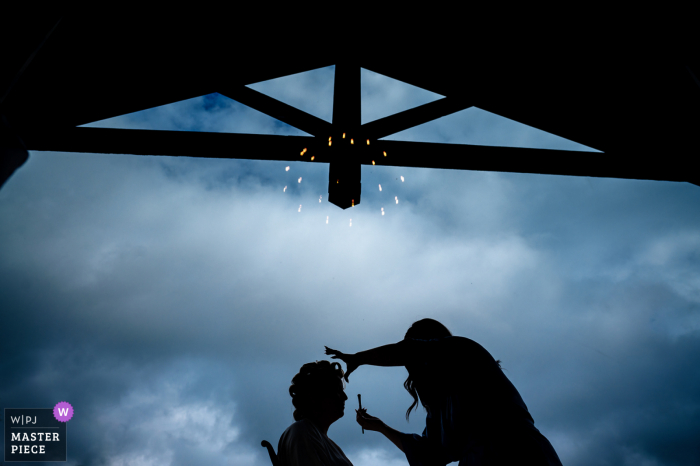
(37, 434)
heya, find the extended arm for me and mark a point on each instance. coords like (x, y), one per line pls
(386, 356)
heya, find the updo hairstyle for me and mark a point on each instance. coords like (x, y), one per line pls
(314, 380)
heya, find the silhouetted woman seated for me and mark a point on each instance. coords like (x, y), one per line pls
(474, 413)
(319, 398)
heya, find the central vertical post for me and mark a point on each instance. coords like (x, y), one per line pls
(344, 173)
(347, 104)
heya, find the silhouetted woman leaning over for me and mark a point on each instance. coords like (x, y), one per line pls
(474, 413)
(318, 396)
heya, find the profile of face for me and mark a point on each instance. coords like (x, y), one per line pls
(331, 402)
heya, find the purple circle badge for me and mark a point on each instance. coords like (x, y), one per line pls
(63, 411)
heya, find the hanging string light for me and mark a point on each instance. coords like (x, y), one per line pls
(320, 198)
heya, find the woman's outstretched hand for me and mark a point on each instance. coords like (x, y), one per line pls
(350, 360)
(368, 422)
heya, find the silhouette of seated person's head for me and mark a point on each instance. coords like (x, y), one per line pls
(318, 393)
(318, 397)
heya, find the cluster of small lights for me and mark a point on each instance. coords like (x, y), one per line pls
(302, 154)
(330, 141)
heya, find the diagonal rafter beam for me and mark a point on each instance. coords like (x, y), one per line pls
(276, 109)
(413, 117)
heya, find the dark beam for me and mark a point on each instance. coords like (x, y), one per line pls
(498, 93)
(276, 109)
(29, 59)
(172, 143)
(347, 104)
(413, 117)
(399, 153)
(524, 160)
(695, 78)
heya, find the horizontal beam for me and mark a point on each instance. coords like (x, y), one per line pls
(171, 143)
(527, 160)
(399, 153)
(276, 109)
(413, 117)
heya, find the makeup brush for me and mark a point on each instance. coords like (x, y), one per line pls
(359, 400)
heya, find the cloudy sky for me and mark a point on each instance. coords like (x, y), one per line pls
(171, 300)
